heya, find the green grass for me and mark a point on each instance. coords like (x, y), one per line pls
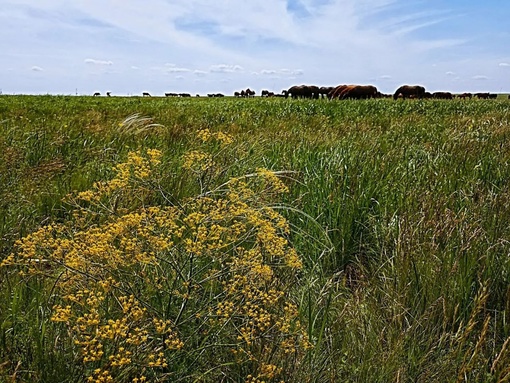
(399, 209)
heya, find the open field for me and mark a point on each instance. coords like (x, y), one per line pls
(398, 213)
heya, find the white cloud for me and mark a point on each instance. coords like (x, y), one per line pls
(225, 68)
(134, 67)
(385, 77)
(450, 73)
(504, 64)
(177, 70)
(283, 72)
(98, 62)
(199, 73)
(289, 72)
(480, 77)
(36, 69)
(179, 77)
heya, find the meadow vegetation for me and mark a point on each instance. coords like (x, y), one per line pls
(254, 240)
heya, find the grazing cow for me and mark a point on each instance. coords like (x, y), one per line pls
(249, 93)
(171, 94)
(324, 91)
(184, 95)
(219, 95)
(482, 95)
(237, 94)
(493, 96)
(383, 95)
(442, 95)
(146, 94)
(409, 91)
(264, 93)
(299, 91)
(358, 92)
(97, 94)
(335, 93)
(315, 91)
(464, 95)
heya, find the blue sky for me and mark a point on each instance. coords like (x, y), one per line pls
(198, 46)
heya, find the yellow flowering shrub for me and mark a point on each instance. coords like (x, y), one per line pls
(153, 292)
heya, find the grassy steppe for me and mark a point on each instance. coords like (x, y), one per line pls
(399, 210)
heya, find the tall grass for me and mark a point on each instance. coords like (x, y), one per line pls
(399, 211)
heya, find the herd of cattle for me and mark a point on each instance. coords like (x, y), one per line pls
(342, 92)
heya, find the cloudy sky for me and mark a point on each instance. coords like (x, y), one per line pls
(199, 46)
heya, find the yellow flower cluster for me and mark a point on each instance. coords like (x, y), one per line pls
(122, 357)
(138, 168)
(8, 261)
(61, 314)
(115, 343)
(272, 182)
(205, 135)
(197, 161)
(100, 376)
(157, 360)
(131, 283)
(207, 159)
(267, 373)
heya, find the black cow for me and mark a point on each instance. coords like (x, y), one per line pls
(409, 91)
(442, 95)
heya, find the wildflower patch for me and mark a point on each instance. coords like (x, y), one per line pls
(200, 289)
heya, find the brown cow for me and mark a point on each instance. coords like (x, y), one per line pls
(464, 95)
(299, 91)
(442, 95)
(482, 95)
(315, 91)
(324, 91)
(358, 92)
(335, 93)
(409, 91)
